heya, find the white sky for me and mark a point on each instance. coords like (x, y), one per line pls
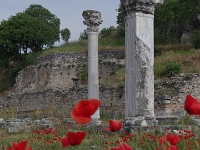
(68, 11)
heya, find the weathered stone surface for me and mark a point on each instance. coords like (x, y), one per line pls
(112, 98)
(139, 50)
(92, 20)
(144, 6)
(55, 71)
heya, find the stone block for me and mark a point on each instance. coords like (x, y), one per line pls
(165, 101)
(164, 120)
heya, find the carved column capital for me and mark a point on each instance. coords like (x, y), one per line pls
(92, 20)
(144, 6)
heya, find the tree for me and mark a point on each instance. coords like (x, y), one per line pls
(31, 30)
(121, 17)
(107, 32)
(21, 33)
(171, 19)
(83, 35)
(65, 34)
(177, 16)
(45, 16)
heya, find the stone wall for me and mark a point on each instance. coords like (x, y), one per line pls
(56, 71)
(49, 82)
(31, 101)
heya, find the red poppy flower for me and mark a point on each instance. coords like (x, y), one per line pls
(73, 138)
(114, 125)
(173, 138)
(84, 109)
(192, 105)
(9, 148)
(123, 146)
(19, 146)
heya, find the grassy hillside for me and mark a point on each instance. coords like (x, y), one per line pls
(169, 60)
(81, 46)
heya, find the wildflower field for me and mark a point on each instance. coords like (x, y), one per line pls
(81, 136)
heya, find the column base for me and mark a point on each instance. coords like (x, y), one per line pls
(95, 125)
(96, 122)
(131, 124)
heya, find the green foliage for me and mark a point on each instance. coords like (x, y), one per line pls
(15, 71)
(195, 39)
(82, 73)
(108, 32)
(83, 35)
(27, 31)
(31, 58)
(65, 34)
(120, 17)
(112, 42)
(167, 69)
(187, 77)
(171, 19)
(46, 17)
(163, 39)
(6, 80)
(177, 16)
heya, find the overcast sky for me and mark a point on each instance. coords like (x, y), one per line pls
(68, 11)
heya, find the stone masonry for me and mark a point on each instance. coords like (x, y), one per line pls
(30, 94)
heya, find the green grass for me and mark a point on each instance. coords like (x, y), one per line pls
(181, 61)
(189, 60)
(100, 139)
(82, 46)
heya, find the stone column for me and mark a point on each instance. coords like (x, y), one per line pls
(93, 20)
(139, 54)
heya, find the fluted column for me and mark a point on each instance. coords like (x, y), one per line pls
(139, 54)
(93, 20)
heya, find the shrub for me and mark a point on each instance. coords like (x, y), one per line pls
(31, 58)
(185, 48)
(171, 68)
(15, 70)
(165, 39)
(195, 39)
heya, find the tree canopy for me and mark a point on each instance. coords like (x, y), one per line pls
(45, 16)
(30, 30)
(65, 34)
(171, 19)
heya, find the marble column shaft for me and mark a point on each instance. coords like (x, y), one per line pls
(93, 20)
(139, 54)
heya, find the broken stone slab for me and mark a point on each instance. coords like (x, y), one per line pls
(46, 126)
(165, 102)
(13, 125)
(1, 123)
(16, 129)
(47, 123)
(68, 121)
(165, 97)
(163, 120)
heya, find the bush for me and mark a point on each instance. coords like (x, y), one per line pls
(6, 80)
(195, 39)
(171, 68)
(167, 69)
(15, 70)
(31, 58)
(163, 39)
